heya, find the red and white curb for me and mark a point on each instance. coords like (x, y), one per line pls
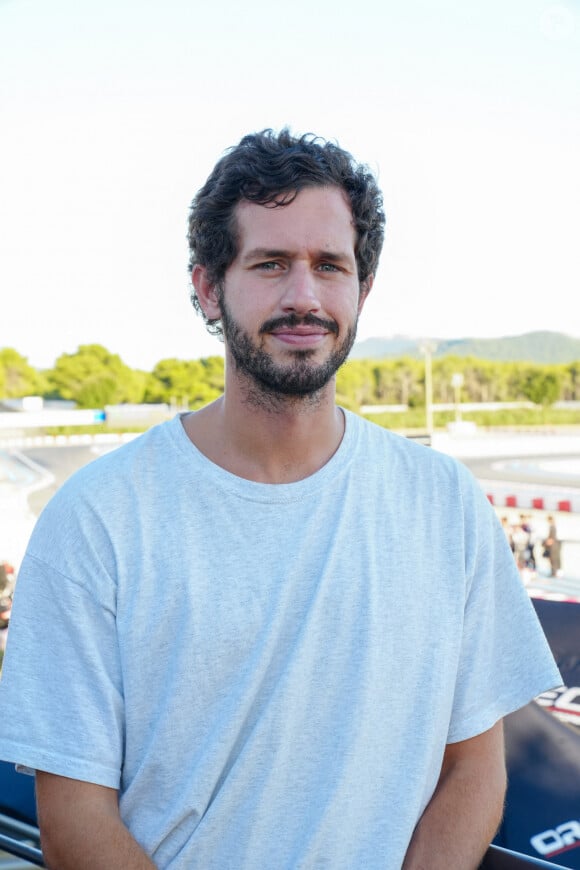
(522, 496)
(552, 596)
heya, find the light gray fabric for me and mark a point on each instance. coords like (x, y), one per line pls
(269, 673)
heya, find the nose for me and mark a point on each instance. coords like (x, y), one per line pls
(300, 291)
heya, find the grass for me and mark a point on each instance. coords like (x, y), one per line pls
(414, 420)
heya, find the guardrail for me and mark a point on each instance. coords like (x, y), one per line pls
(20, 840)
(497, 858)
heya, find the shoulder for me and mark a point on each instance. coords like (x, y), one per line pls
(414, 470)
(92, 517)
(411, 454)
(96, 496)
(109, 471)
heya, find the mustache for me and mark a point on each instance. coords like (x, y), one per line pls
(292, 320)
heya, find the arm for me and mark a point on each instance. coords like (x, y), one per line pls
(80, 826)
(463, 815)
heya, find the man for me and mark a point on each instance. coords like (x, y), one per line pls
(323, 682)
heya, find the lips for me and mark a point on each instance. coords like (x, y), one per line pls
(310, 325)
(300, 336)
(299, 330)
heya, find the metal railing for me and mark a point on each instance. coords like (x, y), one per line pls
(498, 858)
(21, 841)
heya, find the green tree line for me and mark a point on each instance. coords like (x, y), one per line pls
(402, 381)
(93, 377)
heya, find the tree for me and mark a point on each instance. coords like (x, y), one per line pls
(94, 377)
(443, 370)
(571, 381)
(355, 384)
(541, 386)
(17, 377)
(191, 383)
(408, 381)
(206, 381)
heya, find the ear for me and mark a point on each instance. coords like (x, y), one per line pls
(365, 289)
(207, 293)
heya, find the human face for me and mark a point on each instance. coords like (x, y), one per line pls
(290, 301)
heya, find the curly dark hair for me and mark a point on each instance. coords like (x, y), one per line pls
(271, 168)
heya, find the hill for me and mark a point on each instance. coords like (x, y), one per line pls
(536, 347)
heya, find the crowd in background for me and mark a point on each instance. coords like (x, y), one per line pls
(535, 545)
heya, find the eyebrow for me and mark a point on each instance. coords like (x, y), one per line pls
(273, 253)
(265, 254)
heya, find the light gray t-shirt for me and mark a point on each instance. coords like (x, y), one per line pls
(268, 673)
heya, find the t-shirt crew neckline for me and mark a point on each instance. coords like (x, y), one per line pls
(267, 492)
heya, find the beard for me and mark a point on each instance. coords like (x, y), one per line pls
(299, 378)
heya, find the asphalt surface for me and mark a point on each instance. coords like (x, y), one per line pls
(60, 462)
(29, 477)
(543, 469)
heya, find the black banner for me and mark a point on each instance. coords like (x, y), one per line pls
(542, 816)
(561, 623)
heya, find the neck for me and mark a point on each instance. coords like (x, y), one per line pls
(268, 438)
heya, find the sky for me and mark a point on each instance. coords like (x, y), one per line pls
(113, 113)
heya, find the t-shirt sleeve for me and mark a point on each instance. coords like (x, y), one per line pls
(61, 689)
(505, 660)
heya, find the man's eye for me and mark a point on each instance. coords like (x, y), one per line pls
(328, 267)
(268, 266)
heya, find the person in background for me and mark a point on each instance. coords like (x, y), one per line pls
(552, 548)
(6, 590)
(521, 540)
(530, 526)
(342, 628)
(6, 578)
(508, 531)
